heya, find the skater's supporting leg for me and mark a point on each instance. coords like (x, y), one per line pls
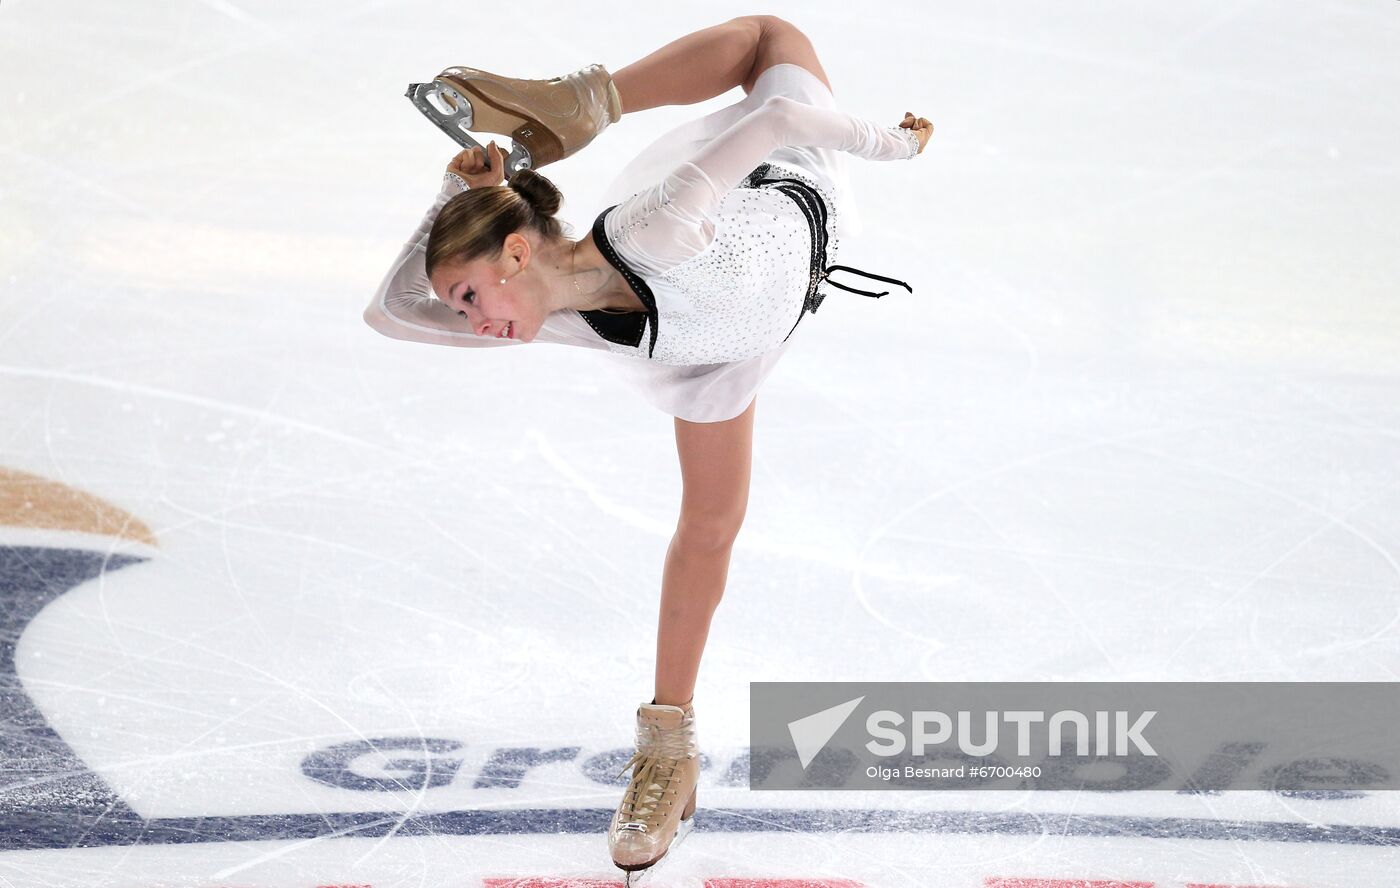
(712, 61)
(716, 460)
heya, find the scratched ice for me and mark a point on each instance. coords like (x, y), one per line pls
(286, 603)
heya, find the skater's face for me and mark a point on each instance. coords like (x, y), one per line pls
(474, 290)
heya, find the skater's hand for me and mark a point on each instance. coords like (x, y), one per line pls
(920, 125)
(470, 164)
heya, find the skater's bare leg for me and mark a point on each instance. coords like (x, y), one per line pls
(716, 461)
(712, 61)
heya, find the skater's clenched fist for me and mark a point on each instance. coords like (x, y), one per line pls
(921, 127)
(472, 166)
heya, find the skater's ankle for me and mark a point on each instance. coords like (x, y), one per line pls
(655, 701)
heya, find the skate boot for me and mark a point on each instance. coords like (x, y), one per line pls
(658, 806)
(547, 120)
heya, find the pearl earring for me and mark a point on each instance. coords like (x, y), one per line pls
(503, 280)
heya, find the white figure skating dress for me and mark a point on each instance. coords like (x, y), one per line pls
(726, 228)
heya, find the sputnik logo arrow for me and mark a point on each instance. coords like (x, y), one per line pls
(809, 734)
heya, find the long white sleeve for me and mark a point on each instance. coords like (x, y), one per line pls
(781, 121)
(404, 307)
(675, 219)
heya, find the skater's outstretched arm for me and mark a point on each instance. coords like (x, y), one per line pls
(781, 121)
(687, 201)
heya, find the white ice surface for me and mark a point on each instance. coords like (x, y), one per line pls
(1141, 421)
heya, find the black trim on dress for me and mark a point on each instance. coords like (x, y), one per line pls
(814, 209)
(622, 329)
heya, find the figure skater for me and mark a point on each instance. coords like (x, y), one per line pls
(698, 277)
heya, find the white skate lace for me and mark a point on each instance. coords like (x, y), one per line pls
(658, 756)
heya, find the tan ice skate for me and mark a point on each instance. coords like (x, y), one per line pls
(658, 806)
(547, 120)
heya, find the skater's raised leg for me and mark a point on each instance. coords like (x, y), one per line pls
(712, 61)
(549, 120)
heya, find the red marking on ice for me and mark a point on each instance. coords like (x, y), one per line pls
(1060, 883)
(549, 882)
(539, 881)
(782, 883)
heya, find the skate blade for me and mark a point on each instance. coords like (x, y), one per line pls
(642, 877)
(682, 831)
(451, 112)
